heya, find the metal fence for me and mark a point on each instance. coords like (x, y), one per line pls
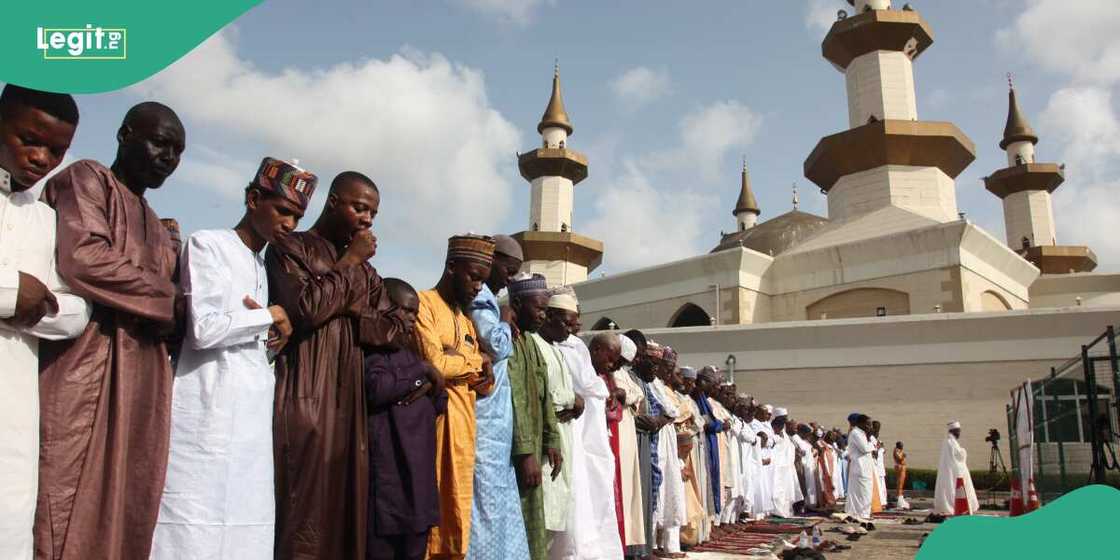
(1076, 420)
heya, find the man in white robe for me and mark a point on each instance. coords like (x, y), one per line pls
(762, 502)
(671, 512)
(953, 465)
(808, 463)
(786, 490)
(34, 303)
(219, 495)
(880, 463)
(592, 524)
(861, 468)
(631, 397)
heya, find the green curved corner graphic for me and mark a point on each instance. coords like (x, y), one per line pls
(1075, 526)
(98, 46)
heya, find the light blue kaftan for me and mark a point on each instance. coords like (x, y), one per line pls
(497, 528)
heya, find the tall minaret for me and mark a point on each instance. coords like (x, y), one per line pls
(887, 157)
(551, 247)
(746, 210)
(1025, 187)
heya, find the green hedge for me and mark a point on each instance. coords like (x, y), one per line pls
(981, 480)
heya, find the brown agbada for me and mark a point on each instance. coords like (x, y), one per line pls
(106, 396)
(319, 430)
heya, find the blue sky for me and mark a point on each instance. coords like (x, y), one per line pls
(432, 98)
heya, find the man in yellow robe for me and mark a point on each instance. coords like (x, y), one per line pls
(447, 338)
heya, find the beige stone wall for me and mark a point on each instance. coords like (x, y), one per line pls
(550, 203)
(1096, 289)
(860, 302)
(659, 313)
(1029, 214)
(557, 273)
(975, 286)
(914, 402)
(925, 290)
(926, 191)
(880, 84)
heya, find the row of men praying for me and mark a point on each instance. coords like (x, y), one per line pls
(260, 392)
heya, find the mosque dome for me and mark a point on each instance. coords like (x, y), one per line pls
(774, 236)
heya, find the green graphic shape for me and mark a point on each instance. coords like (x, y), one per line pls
(97, 46)
(1077, 525)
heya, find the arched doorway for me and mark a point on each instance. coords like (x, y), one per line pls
(690, 315)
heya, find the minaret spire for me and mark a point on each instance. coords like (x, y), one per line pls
(1017, 128)
(796, 199)
(554, 114)
(746, 210)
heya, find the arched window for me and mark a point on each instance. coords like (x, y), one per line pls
(605, 324)
(1026, 243)
(561, 144)
(690, 315)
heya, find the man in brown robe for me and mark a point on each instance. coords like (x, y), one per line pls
(337, 305)
(106, 396)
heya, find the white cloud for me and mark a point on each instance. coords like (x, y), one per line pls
(419, 125)
(820, 15)
(508, 11)
(216, 171)
(706, 135)
(640, 85)
(641, 225)
(1085, 122)
(1076, 38)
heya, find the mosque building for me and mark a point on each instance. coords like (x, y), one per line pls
(894, 303)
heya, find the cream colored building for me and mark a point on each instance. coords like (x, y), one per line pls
(893, 304)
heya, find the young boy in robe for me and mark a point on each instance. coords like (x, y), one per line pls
(404, 394)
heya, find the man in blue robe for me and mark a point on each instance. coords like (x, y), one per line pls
(497, 526)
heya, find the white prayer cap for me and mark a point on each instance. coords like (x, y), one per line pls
(954, 425)
(768, 408)
(629, 349)
(564, 298)
(781, 412)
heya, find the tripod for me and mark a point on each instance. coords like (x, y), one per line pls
(996, 464)
(996, 458)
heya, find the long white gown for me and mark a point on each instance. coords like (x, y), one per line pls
(880, 469)
(786, 489)
(762, 501)
(953, 464)
(219, 497)
(671, 512)
(592, 524)
(861, 475)
(809, 469)
(27, 244)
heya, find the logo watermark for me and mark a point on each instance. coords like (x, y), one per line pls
(88, 43)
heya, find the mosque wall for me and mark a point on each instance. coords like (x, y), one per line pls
(974, 287)
(1030, 215)
(1096, 289)
(912, 292)
(550, 204)
(913, 402)
(914, 372)
(926, 191)
(557, 273)
(880, 84)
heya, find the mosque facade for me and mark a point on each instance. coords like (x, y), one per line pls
(894, 303)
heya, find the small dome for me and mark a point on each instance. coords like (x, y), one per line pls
(774, 236)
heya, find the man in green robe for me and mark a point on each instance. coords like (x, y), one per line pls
(535, 431)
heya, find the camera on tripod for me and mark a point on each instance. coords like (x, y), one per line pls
(993, 437)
